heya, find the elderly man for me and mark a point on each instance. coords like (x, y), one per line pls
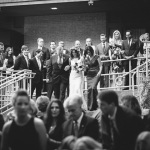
(58, 73)
(78, 124)
(119, 126)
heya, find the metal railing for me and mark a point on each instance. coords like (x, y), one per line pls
(10, 83)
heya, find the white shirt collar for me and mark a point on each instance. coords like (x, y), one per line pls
(39, 47)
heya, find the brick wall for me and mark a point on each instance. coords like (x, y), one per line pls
(67, 27)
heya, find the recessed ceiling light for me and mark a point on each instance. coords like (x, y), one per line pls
(54, 8)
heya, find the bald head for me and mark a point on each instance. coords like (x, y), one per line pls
(77, 44)
(74, 106)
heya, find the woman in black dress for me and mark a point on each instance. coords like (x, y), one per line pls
(23, 132)
(55, 117)
(93, 72)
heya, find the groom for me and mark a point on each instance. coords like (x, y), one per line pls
(58, 73)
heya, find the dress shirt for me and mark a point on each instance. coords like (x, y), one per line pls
(129, 42)
(39, 47)
(39, 62)
(27, 60)
(79, 120)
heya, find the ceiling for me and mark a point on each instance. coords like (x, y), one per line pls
(75, 7)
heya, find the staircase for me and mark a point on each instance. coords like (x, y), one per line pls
(10, 83)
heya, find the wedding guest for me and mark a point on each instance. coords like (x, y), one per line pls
(89, 43)
(131, 49)
(24, 132)
(119, 125)
(9, 59)
(36, 66)
(62, 44)
(78, 47)
(55, 117)
(102, 50)
(52, 48)
(115, 54)
(2, 55)
(93, 72)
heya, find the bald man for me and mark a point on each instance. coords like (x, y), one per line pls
(78, 47)
(78, 124)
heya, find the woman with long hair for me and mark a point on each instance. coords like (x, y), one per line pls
(76, 79)
(55, 117)
(9, 59)
(93, 72)
(24, 132)
(115, 54)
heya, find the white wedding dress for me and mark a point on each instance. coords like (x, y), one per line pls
(76, 80)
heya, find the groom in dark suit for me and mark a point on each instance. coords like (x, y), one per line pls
(36, 66)
(131, 49)
(78, 124)
(58, 73)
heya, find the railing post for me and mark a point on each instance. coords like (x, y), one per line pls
(129, 74)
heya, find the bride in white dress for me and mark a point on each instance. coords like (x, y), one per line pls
(76, 79)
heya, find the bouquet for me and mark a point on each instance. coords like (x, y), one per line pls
(78, 67)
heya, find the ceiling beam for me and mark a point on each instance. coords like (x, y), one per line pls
(5, 3)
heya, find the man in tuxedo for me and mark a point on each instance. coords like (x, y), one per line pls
(120, 126)
(45, 56)
(22, 61)
(78, 124)
(36, 66)
(65, 51)
(102, 50)
(131, 49)
(58, 73)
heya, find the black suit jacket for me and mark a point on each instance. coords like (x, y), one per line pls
(129, 126)
(56, 74)
(45, 56)
(20, 63)
(88, 127)
(130, 50)
(35, 68)
(3, 58)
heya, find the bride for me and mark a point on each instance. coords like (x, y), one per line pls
(76, 76)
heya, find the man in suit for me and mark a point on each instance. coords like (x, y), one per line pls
(45, 56)
(65, 51)
(52, 48)
(22, 61)
(36, 66)
(78, 124)
(131, 49)
(102, 50)
(58, 73)
(120, 126)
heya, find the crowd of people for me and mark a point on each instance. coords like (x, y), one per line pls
(53, 125)
(65, 69)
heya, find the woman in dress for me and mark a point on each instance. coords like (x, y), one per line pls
(93, 72)
(9, 59)
(24, 132)
(116, 54)
(55, 117)
(76, 79)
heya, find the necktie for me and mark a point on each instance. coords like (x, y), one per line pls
(27, 60)
(114, 131)
(75, 125)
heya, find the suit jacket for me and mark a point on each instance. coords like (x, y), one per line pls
(55, 73)
(133, 49)
(20, 63)
(88, 127)
(129, 125)
(46, 54)
(99, 51)
(35, 68)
